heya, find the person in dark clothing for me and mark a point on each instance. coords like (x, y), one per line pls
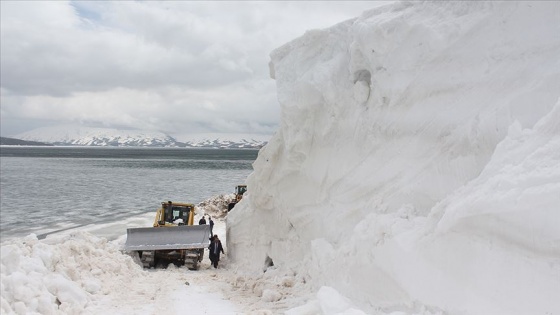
(215, 248)
(202, 221)
(211, 225)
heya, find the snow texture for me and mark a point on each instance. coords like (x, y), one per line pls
(417, 166)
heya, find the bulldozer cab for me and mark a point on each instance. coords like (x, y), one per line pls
(172, 213)
(240, 190)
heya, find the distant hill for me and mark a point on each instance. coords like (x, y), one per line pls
(75, 135)
(13, 141)
(223, 141)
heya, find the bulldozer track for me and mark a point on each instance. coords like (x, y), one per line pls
(148, 258)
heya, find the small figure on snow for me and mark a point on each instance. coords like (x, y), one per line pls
(211, 225)
(202, 221)
(215, 248)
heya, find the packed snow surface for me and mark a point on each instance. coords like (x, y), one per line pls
(417, 166)
(416, 171)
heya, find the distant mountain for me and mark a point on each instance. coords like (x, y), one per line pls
(72, 135)
(223, 141)
(87, 136)
(12, 141)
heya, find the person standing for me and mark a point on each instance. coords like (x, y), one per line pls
(211, 225)
(202, 221)
(215, 248)
(210, 254)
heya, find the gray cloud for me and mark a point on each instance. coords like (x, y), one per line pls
(78, 55)
(159, 65)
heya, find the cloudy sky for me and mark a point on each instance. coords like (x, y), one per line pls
(174, 66)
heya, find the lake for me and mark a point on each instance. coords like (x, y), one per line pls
(46, 188)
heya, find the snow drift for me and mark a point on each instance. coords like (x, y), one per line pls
(417, 165)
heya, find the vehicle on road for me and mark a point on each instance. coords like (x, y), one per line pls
(173, 237)
(239, 191)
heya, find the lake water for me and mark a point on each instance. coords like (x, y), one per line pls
(46, 188)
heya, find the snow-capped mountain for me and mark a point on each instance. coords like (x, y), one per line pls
(74, 135)
(223, 141)
(88, 136)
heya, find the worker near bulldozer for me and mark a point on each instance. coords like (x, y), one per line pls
(202, 221)
(215, 248)
(211, 225)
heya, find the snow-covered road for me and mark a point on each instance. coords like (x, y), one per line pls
(85, 271)
(170, 291)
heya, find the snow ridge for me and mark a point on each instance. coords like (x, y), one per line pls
(416, 168)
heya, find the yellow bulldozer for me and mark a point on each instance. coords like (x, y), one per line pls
(239, 191)
(173, 237)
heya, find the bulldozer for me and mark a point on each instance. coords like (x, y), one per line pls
(239, 191)
(173, 237)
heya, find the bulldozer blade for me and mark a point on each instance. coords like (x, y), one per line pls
(177, 237)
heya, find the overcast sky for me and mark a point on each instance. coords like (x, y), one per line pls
(174, 66)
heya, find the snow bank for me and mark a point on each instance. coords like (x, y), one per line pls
(61, 275)
(216, 207)
(417, 166)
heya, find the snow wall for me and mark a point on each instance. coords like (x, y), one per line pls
(417, 165)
